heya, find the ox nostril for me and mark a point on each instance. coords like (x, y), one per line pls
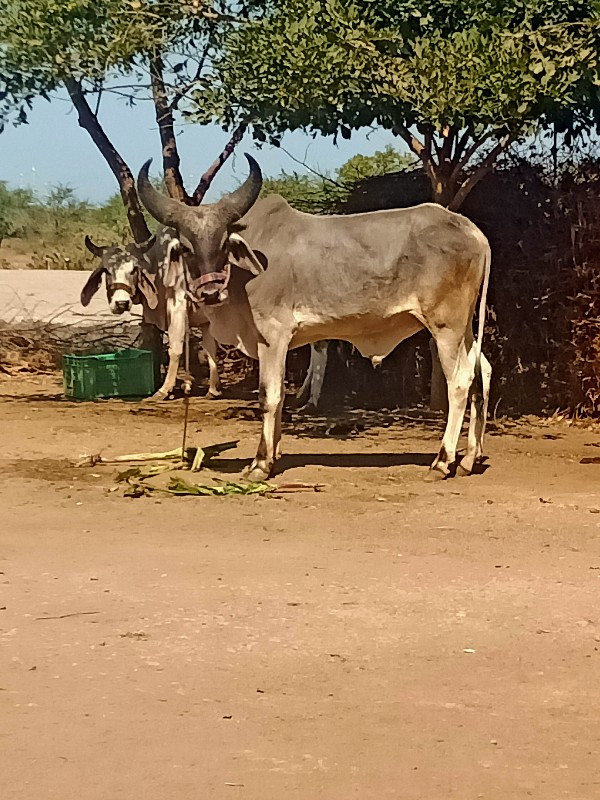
(122, 305)
(210, 297)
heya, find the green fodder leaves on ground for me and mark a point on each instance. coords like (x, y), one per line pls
(179, 486)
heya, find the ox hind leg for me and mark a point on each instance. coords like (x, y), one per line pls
(309, 395)
(271, 359)
(480, 392)
(215, 390)
(457, 357)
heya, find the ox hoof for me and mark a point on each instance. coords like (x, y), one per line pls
(256, 474)
(308, 408)
(157, 397)
(435, 474)
(462, 471)
(214, 395)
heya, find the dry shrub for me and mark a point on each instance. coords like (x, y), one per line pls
(543, 320)
(38, 346)
(583, 212)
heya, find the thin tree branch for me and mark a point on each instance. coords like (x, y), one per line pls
(166, 129)
(481, 170)
(470, 151)
(181, 91)
(89, 122)
(209, 175)
(429, 143)
(413, 143)
(98, 99)
(327, 178)
(418, 148)
(460, 144)
(215, 16)
(449, 135)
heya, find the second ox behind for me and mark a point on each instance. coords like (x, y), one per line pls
(152, 274)
(270, 278)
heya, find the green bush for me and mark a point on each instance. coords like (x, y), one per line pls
(51, 230)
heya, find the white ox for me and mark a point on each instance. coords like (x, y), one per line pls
(152, 274)
(371, 279)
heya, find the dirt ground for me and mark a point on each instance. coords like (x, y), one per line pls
(383, 638)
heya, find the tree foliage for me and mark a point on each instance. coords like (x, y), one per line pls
(150, 48)
(14, 204)
(44, 42)
(456, 79)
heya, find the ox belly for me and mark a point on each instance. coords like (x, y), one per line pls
(373, 336)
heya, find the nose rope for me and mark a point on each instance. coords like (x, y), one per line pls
(212, 277)
(123, 287)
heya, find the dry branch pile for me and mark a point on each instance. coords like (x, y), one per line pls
(38, 346)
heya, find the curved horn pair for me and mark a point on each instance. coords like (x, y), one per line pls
(169, 211)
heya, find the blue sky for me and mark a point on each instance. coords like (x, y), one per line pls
(52, 149)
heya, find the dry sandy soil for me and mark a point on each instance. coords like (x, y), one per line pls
(384, 638)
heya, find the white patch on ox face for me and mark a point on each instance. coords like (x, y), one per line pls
(123, 272)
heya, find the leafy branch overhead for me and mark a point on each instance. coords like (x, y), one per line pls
(137, 49)
(456, 79)
(45, 42)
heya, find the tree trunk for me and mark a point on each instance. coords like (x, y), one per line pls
(89, 122)
(443, 188)
(166, 129)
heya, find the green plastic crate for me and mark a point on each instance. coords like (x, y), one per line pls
(126, 373)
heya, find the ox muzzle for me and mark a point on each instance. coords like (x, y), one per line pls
(211, 289)
(117, 302)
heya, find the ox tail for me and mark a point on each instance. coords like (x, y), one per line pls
(487, 260)
(478, 391)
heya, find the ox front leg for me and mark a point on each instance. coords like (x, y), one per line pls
(458, 362)
(215, 390)
(176, 333)
(170, 378)
(271, 382)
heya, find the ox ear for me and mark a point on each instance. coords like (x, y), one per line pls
(148, 289)
(92, 285)
(242, 255)
(174, 263)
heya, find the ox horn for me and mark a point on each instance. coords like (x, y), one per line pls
(241, 200)
(94, 249)
(165, 209)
